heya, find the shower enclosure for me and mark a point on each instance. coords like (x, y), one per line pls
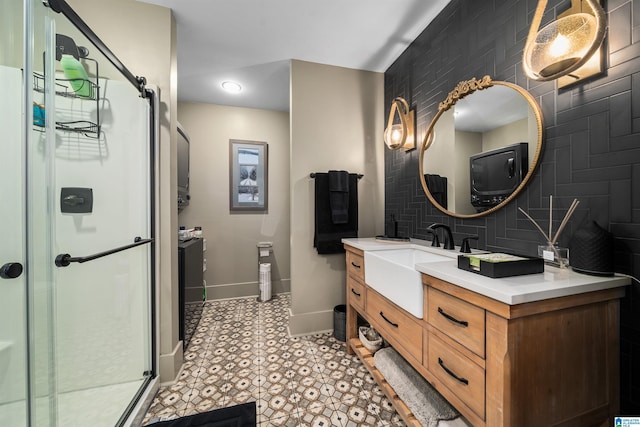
(77, 271)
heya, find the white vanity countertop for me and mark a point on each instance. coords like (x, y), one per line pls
(373, 244)
(553, 283)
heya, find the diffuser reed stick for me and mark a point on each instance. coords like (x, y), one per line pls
(550, 215)
(551, 241)
(534, 223)
(572, 208)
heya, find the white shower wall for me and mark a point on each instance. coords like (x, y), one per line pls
(11, 21)
(12, 314)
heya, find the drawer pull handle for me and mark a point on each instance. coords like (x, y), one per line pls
(395, 325)
(453, 319)
(355, 265)
(355, 293)
(450, 372)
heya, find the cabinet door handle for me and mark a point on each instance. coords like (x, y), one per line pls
(355, 265)
(395, 325)
(355, 293)
(451, 373)
(453, 319)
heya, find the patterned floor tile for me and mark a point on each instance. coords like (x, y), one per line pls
(278, 419)
(241, 352)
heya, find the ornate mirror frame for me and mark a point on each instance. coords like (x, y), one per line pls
(463, 89)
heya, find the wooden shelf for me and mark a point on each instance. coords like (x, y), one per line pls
(366, 357)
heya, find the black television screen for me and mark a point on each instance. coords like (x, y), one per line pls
(497, 173)
(183, 168)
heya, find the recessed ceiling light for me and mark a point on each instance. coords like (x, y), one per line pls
(231, 87)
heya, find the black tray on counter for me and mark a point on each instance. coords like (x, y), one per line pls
(507, 265)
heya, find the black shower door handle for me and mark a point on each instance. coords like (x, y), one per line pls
(63, 260)
(11, 270)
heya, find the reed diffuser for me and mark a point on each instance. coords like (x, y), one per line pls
(551, 252)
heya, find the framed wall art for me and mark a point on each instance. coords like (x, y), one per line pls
(248, 177)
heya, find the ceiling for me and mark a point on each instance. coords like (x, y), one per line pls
(252, 42)
(490, 108)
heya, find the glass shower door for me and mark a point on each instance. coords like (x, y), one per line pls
(13, 314)
(89, 222)
(76, 220)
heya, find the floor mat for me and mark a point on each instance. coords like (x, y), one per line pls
(243, 415)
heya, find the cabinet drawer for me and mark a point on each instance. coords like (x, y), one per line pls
(463, 322)
(356, 294)
(458, 373)
(355, 265)
(395, 324)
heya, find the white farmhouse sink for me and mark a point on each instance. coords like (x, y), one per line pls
(392, 273)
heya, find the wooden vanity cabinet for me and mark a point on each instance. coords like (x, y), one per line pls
(356, 291)
(553, 362)
(397, 326)
(463, 322)
(455, 350)
(355, 264)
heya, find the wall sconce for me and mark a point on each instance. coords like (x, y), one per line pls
(400, 135)
(565, 45)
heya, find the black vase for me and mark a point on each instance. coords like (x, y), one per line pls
(591, 250)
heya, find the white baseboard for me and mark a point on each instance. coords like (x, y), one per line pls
(310, 323)
(247, 289)
(171, 364)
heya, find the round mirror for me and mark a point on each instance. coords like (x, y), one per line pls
(481, 147)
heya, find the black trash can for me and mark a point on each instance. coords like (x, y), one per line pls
(340, 322)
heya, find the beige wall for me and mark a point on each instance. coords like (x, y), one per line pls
(232, 269)
(439, 157)
(508, 134)
(466, 144)
(336, 123)
(143, 37)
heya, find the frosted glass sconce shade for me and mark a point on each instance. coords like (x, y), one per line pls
(400, 135)
(566, 44)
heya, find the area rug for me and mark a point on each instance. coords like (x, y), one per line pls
(243, 415)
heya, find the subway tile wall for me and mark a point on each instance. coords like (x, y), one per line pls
(591, 142)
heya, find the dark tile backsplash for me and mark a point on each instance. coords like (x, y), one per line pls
(591, 142)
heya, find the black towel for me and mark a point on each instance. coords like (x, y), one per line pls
(339, 196)
(327, 236)
(437, 186)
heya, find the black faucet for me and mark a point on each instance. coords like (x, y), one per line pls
(464, 247)
(448, 237)
(435, 242)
